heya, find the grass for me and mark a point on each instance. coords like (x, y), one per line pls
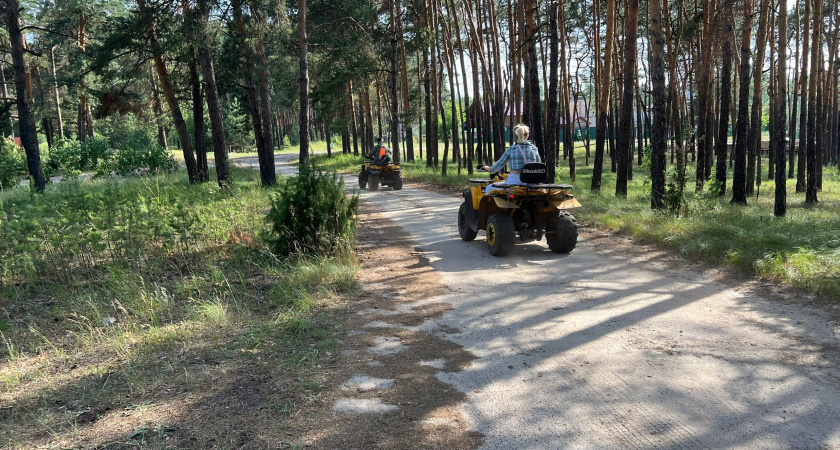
(801, 249)
(114, 293)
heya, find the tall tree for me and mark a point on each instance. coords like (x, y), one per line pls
(552, 126)
(304, 85)
(169, 92)
(214, 105)
(780, 205)
(811, 134)
(754, 139)
(660, 114)
(721, 147)
(26, 123)
(739, 175)
(603, 95)
(625, 127)
(393, 124)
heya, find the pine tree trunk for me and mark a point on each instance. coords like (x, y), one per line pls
(811, 149)
(198, 118)
(604, 85)
(304, 85)
(754, 139)
(551, 127)
(26, 124)
(659, 131)
(721, 148)
(780, 205)
(739, 175)
(171, 100)
(625, 127)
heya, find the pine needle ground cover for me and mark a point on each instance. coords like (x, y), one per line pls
(801, 249)
(126, 304)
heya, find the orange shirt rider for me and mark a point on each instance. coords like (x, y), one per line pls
(380, 154)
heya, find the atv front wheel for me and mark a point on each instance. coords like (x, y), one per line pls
(464, 228)
(561, 232)
(374, 182)
(500, 234)
(396, 181)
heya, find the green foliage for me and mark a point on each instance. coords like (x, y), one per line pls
(714, 187)
(12, 164)
(75, 229)
(312, 214)
(238, 127)
(93, 151)
(64, 154)
(151, 275)
(141, 155)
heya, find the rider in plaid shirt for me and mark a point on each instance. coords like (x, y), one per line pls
(517, 155)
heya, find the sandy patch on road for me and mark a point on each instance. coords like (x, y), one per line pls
(383, 392)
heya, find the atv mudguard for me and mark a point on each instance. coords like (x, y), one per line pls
(472, 214)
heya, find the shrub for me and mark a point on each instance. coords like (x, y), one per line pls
(312, 214)
(64, 154)
(95, 150)
(12, 163)
(138, 154)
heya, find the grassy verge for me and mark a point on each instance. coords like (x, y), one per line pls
(124, 295)
(801, 249)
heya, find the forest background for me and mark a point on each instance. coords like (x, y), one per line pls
(684, 110)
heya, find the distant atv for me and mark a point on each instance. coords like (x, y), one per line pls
(529, 209)
(375, 174)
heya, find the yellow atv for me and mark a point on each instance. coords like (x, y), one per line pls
(529, 209)
(375, 174)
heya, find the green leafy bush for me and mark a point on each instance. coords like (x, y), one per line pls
(64, 154)
(312, 214)
(139, 154)
(93, 151)
(12, 164)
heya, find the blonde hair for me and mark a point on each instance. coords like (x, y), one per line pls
(522, 131)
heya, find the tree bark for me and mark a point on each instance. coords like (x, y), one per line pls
(26, 124)
(604, 85)
(171, 100)
(625, 127)
(812, 152)
(198, 118)
(780, 205)
(739, 176)
(659, 131)
(754, 139)
(721, 148)
(304, 85)
(551, 137)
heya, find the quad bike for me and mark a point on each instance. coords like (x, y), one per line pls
(374, 174)
(529, 209)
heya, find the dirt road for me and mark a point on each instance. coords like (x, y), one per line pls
(619, 346)
(615, 345)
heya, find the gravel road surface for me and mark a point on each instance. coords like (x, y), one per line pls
(620, 346)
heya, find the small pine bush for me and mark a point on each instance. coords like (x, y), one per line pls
(312, 214)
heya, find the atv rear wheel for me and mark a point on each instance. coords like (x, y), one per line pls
(464, 228)
(374, 182)
(363, 179)
(396, 181)
(561, 232)
(500, 234)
